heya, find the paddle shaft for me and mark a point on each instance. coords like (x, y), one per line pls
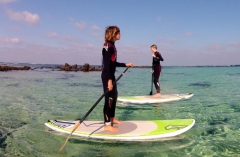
(151, 85)
(85, 116)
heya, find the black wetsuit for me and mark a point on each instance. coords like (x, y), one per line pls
(156, 66)
(109, 64)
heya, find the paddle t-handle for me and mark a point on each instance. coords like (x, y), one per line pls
(85, 116)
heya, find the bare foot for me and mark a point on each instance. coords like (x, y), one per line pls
(110, 128)
(157, 95)
(115, 121)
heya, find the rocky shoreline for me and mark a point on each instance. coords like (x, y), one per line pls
(66, 67)
(8, 68)
(85, 68)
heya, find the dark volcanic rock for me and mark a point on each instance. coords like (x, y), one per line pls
(7, 68)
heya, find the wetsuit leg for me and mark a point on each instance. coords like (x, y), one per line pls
(114, 95)
(106, 108)
(110, 102)
(157, 71)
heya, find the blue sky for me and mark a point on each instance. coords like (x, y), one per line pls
(187, 32)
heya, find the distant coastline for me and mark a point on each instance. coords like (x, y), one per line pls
(54, 65)
(5, 66)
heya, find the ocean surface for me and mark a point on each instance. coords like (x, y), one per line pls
(30, 98)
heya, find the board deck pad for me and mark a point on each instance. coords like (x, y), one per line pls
(150, 99)
(128, 131)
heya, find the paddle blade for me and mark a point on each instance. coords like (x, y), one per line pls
(77, 125)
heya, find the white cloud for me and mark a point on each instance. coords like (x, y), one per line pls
(234, 43)
(69, 40)
(81, 25)
(52, 34)
(7, 1)
(164, 47)
(159, 19)
(215, 47)
(129, 49)
(15, 28)
(188, 34)
(89, 46)
(167, 40)
(173, 40)
(95, 27)
(38, 53)
(24, 16)
(10, 40)
(95, 34)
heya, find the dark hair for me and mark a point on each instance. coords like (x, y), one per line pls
(154, 46)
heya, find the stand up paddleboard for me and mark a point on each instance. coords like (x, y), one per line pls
(128, 131)
(153, 100)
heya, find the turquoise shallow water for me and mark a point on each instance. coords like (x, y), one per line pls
(29, 98)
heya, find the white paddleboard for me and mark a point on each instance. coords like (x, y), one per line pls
(153, 100)
(128, 131)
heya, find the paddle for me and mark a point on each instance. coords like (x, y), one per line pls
(85, 116)
(151, 85)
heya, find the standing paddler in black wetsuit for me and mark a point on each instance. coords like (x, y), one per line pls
(156, 69)
(109, 64)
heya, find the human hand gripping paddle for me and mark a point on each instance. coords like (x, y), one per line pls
(85, 116)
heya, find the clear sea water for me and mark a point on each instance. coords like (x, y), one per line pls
(29, 98)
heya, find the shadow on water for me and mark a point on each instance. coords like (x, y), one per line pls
(13, 85)
(235, 106)
(135, 107)
(176, 73)
(3, 137)
(200, 84)
(138, 148)
(38, 80)
(5, 77)
(99, 81)
(83, 85)
(7, 127)
(216, 126)
(223, 120)
(114, 143)
(237, 74)
(66, 77)
(184, 74)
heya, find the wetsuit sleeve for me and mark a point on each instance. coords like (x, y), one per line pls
(158, 57)
(120, 64)
(107, 61)
(152, 63)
